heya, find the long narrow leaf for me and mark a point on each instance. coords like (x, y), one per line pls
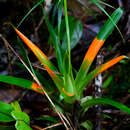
(68, 33)
(21, 83)
(47, 85)
(56, 43)
(99, 70)
(93, 102)
(56, 80)
(30, 11)
(44, 60)
(68, 78)
(42, 57)
(39, 54)
(25, 56)
(104, 3)
(60, 16)
(113, 22)
(97, 44)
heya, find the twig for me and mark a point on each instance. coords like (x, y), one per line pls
(9, 59)
(120, 3)
(125, 99)
(98, 92)
(110, 111)
(36, 127)
(69, 120)
(35, 78)
(39, 24)
(42, 68)
(55, 125)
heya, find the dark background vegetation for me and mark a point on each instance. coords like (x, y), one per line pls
(34, 104)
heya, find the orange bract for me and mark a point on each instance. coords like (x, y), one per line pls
(36, 88)
(93, 49)
(51, 73)
(32, 46)
(70, 95)
(110, 63)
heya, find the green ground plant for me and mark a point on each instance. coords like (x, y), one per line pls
(70, 87)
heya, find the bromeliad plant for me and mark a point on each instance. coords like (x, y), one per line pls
(70, 87)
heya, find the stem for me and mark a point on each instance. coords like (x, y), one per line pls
(67, 31)
(76, 115)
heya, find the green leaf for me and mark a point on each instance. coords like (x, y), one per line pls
(25, 56)
(119, 10)
(49, 118)
(22, 51)
(3, 127)
(76, 30)
(21, 116)
(66, 69)
(22, 120)
(107, 81)
(109, 26)
(95, 47)
(93, 102)
(107, 116)
(20, 125)
(104, 3)
(60, 17)
(68, 89)
(67, 33)
(38, 53)
(56, 43)
(21, 83)
(16, 81)
(87, 124)
(54, 12)
(16, 106)
(30, 11)
(5, 112)
(99, 70)
(46, 83)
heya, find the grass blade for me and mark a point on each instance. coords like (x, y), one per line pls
(56, 43)
(93, 102)
(60, 17)
(29, 12)
(21, 83)
(68, 33)
(104, 3)
(113, 22)
(25, 56)
(107, 29)
(76, 30)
